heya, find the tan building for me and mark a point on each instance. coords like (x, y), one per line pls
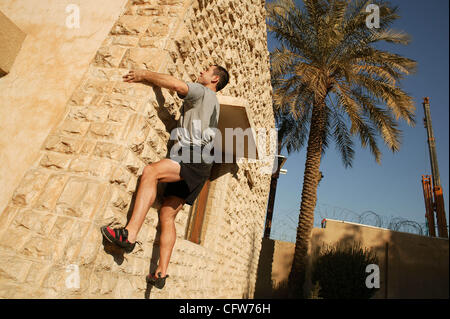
(74, 139)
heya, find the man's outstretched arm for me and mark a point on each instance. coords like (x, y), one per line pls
(158, 79)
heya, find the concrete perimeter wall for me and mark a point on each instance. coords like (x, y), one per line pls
(411, 266)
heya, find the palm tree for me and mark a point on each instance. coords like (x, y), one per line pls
(329, 75)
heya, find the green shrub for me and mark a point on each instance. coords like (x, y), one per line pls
(340, 271)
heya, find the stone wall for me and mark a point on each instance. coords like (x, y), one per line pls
(49, 66)
(88, 167)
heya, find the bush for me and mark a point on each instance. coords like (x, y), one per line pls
(340, 271)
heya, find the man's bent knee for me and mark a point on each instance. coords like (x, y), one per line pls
(150, 170)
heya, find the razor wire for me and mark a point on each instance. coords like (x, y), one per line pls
(284, 225)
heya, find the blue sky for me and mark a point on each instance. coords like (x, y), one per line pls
(394, 188)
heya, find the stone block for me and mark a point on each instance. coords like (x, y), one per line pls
(89, 249)
(56, 279)
(171, 2)
(135, 132)
(73, 128)
(55, 161)
(120, 200)
(160, 27)
(124, 101)
(41, 248)
(88, 147)
(133, 89)
(120, 177)
(91, 167)
(61, 229)
(130, 25)
(104, 131)
(109, 150)
(144, 58)
(150, 9)
(29, 188)
(7, 216)
(148, 155)
(132, 183)
(132, 163)
(94, 86)
(74, 241)
(62, 144)
(118, 114)
(89, 113)
(111, 216)
(13, 239)
(79, 197)
(152, 42)
(14, 268)
(109, 56)
(37, 273)
(53, 188)
(123, 40)
(80, 97)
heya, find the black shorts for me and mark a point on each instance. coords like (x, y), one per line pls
(194, 177)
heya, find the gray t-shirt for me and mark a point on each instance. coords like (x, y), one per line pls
(199, 115)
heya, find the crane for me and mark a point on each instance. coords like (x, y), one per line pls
(434, 199)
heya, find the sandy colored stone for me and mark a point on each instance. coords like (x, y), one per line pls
(54, 161)
(53, 188)
(29, 188)
(104, 131)
(133, 89)
(130, 25)
(109, 150)
(62, 144)
(121, 100)
(89, 113)
(90, 167)
(144, 58)
(120, 177)
(95, 195)
(79, 198)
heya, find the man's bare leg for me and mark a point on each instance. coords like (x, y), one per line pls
(166, 171)
(169, 210)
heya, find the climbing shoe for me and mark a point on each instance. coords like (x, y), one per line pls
(118, 236)
(158, 282)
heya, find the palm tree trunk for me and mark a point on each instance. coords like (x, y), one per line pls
(308, 202)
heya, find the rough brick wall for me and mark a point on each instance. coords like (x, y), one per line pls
(88, 168)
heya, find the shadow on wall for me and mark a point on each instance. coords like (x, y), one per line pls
(410, 266)
(276, 260)
(263, 286)
(349, 235)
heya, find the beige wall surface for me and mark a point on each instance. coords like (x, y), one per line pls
(49, 66)
(416, 267)
(88, 168)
